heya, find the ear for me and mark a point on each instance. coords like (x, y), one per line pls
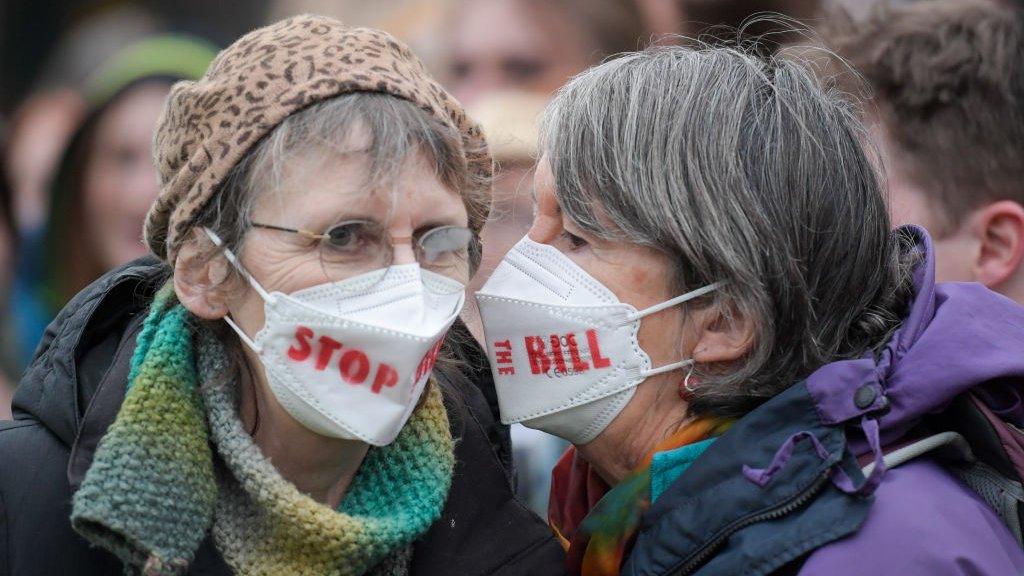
(199, 280)
(999, 228)
(721, 338)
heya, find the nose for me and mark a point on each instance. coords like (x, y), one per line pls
(547, 219)
(403, 251)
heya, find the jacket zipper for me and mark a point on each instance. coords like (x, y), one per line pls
(793, 503)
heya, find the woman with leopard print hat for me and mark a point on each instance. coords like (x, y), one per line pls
(286, 387)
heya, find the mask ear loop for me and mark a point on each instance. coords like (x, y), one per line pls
(268, 298)
(668, 368)
(668, 304)
(676, 301)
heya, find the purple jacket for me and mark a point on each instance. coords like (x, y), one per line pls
(782, 493)
(924, 521)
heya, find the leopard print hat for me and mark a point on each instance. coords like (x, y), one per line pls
(207, 126)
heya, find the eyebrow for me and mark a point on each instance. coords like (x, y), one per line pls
(433, 224)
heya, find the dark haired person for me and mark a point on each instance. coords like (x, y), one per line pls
(947, 79)
(104, 182)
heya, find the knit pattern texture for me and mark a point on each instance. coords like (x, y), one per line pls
(156, 488)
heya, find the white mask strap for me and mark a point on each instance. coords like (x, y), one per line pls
(667, 368)
(668, 304)
(248, 341)
(676, 301)
(252, 281)
(267, 297)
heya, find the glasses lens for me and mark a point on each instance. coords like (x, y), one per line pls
(445, 246)
(354, 247)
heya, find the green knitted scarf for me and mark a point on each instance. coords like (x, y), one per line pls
(153, 491)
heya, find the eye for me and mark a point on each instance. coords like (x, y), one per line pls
(575, 242)
(460, 69)
(522, 68)
(350, 236)
(444, 243)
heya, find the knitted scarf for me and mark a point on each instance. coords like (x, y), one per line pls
(155, 489)
(597, 524)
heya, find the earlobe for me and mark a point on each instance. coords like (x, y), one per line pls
(197, 280)
(1000, 231)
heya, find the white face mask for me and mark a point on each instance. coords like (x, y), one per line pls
(563, 349)
(350, 359)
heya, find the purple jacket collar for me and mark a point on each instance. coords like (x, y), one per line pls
(956, 337)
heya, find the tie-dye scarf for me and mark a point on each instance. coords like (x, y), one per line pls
(153, 492)
(597, 524)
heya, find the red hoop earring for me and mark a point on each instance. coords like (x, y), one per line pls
(688, 387)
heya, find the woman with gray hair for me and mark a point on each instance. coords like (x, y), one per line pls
(264, 399)
(712, 308)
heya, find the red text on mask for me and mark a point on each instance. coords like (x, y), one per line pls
(427, 363)
(353, 364)
(503, 358)
(542, 359)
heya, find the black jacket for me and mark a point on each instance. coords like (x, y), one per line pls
(75, 386)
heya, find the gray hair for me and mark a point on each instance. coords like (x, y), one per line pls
(741, 169)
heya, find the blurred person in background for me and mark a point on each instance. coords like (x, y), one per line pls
(947, 80)
(422, 24)
(57, 70)
(39, 132)
(662, 17)
(535, 45)
(105, 181)
(8, 337)
(718, 20)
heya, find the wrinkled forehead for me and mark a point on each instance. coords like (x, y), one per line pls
(325, 185)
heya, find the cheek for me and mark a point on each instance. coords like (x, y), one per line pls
(104, 193)
(96, 195)
(640, 277)
(247, 311)
(661, 335)
(103, 227)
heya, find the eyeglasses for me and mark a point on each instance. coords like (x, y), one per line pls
(353, 247)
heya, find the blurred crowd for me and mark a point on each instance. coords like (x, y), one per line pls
(83, 83)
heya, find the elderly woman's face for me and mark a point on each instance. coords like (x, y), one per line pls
(321, 190)
(642, 277)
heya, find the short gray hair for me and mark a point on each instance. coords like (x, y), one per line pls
(743, 169)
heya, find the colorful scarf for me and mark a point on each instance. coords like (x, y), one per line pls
(597, 524)
(155, 489)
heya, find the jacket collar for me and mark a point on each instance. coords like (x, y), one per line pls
(713, 502)
(74, 353)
